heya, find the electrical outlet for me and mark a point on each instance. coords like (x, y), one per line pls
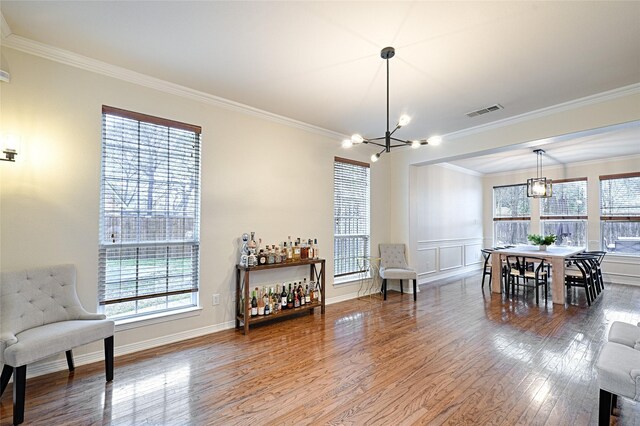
(216, 299)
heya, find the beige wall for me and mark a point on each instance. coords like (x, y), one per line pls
(257, 175)
(445, 221)
(619, 269)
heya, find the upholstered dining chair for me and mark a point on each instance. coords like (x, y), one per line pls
(393, 266)
(41, 316)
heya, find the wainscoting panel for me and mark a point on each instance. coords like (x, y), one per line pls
(437, 259)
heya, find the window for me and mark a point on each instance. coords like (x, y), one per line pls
(511, 214)
(565, 214)
(620, 213)
(351, 216)
(149, 214)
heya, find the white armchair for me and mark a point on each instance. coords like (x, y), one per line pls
(393, 266)
(41, 316)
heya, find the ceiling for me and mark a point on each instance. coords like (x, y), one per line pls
(319, 62)
(621, 140)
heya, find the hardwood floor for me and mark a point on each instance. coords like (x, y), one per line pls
(454, 357)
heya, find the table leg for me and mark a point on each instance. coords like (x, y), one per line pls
(496, 273)
(558, 290)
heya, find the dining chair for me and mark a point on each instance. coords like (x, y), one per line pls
(486, 270)
(393, 265)
(582, 274)
(528, 271)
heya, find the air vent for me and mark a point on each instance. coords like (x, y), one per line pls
(486, 110)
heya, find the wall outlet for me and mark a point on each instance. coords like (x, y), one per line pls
(216, 299)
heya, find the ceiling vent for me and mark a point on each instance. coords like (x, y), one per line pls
(494, 107)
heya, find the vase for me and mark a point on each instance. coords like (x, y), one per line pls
(542, 247)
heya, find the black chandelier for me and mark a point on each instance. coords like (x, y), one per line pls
(539, 187)
(386, 54)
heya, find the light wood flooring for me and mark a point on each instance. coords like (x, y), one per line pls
(457, 356)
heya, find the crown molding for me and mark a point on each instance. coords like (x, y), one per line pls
(79, 61)
(459, 169)
(73, 59)
(632, 89)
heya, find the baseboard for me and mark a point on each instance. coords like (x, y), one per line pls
(617, 278)
(52, 366)
(449, 274)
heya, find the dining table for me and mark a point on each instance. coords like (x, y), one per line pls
(554, 255)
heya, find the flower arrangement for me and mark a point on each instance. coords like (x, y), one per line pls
(540, 240)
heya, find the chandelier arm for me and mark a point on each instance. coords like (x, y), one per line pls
(381, 138)
(394, 130)
(400, 140)
(397, 146)
(376, 143)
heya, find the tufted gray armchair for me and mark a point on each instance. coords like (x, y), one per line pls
(40, 316)
(393, 265)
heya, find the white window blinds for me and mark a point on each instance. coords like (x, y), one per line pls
(511, 214)
(569, 200)
(149, 212)
(620, 196)
(351, 216)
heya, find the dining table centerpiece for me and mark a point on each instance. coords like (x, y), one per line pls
(541, 241)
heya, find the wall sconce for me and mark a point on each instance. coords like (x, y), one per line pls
(9, 148)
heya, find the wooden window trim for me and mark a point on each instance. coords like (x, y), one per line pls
(621, 218)
(563, 217)
(620, 176)
(579, 179)
(349, 161)
(504, 219)
(150, 119)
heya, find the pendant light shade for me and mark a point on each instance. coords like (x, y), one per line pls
(539, 187)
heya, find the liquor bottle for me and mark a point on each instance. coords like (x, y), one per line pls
(296, 252)
(296, 300)
(283, 252)
(290, 251)
(260, 303)
(271, 255)
(262, 258)
(311, 292)
(311, 248)
(304, 250)
(289, 298)
(283, 297)
(277, 253)
(307, 295)
(267, 307)
(301, 295)
(317, 292)
(254, 304)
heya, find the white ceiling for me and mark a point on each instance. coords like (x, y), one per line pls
(595, 144)
(319, 62)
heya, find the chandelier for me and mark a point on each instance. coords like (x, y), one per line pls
(539, 187)
(388, 141)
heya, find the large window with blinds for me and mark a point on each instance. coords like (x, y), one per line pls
(620, 213)
(351, 217)
(565, 214)
(149, 214)
(511, 214)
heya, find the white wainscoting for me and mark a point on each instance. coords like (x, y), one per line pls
(436, 259)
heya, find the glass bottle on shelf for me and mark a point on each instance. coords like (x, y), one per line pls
(296, 299)
(304, 250)
(317, 292)
(290, 251)
(267, 302)
(315, 248)
(296, 252)
(254, 304)
(289, 298)
(307, 295)
(311, 292)
(277, 253)
(283, 297)
(271, 256)
(262, 258)
(303, 301)
(260, 303)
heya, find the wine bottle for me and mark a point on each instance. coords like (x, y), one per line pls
(289, 298)
(283, 297)
(301, 295)
(307, 295)
(254, 304)
(260, 303)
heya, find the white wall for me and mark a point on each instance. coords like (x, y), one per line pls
(257, 175)
(445, 221)
(617, 268)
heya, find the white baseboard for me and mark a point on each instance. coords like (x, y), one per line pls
(616, 278)
(47, 367)
(449, 274)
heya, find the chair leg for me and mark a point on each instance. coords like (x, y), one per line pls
(614, 402)
(7, 371)
(384, 288)
(605, 408)
(19, 386)
(108, 357)
(415, 290)
(401, 289)
(70, 360)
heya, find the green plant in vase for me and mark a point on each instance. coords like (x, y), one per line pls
(542, 241)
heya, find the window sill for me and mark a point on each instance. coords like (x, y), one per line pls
(338, 282)
(143, 321)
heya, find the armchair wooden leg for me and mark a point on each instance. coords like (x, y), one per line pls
(415, 290)
(401, 289)
(19, 386)
(70, 360)
(7, 371)
(605, 408)
(614, 402)
(108, 357)
(384, 288)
